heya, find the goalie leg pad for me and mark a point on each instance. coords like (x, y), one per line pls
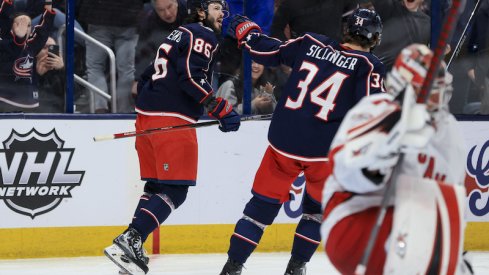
(348, 239)
(427, 233)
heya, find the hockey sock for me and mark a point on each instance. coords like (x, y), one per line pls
(244, 240)
(157, 209)
(307, 234)
(307, 238)
(143, 200)
(249, 229)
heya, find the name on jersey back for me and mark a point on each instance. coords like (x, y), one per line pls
(335, 57)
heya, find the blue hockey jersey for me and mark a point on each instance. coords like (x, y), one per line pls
(178, 80)
(326, 81)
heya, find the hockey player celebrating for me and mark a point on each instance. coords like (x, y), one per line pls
(327, 79)
(173, 91)
(18, 50)
(423, 229)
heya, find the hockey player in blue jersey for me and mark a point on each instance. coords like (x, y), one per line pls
(327, 79)
(174, 90)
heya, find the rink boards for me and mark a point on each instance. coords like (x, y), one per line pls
(65, 195)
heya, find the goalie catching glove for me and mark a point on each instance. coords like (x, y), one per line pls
(240, 26)
(376, 145)
(220, 109)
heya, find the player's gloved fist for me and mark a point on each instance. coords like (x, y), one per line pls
(221, 110)
(240, 26)
(230, 122)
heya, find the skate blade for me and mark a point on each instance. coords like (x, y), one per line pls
(117, 256)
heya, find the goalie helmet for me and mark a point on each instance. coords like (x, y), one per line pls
(365, 23)
(411, 67)
(195, 5)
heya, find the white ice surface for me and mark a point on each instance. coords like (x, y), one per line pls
(185, 264)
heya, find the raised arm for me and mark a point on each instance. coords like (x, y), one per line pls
(262, 48)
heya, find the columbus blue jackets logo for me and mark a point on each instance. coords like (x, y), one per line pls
(35, 173)
(23, 67)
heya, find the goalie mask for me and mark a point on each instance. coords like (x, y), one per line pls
(411, 67)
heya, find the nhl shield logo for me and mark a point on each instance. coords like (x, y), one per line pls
(34, 172)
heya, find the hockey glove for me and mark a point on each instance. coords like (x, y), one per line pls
(240, 26)
(221, 110)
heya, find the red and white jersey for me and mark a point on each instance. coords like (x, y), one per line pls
(348, 190)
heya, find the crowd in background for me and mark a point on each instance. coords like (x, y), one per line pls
(134, 29)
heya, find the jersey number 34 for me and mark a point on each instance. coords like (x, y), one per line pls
(333, 84)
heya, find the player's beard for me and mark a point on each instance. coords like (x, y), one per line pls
(211, 23)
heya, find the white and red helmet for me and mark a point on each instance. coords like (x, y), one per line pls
(411, 67)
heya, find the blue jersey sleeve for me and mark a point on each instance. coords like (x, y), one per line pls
(40, 33)
(272, 52)
(370, 79)
(377, 78)
(5, 11)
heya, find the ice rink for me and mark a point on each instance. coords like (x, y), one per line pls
(185, 264)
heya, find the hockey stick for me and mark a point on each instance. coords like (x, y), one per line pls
(172, 128)
(439, 52)
(461, 41)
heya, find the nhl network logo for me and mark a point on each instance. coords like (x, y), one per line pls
(34, 172)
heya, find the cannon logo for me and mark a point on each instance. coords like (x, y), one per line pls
(293, 207)
(34, 172)
(478, 183)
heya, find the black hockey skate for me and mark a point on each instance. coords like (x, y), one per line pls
(295, 267)
(231, 268)
(124, 272)
(127, 252)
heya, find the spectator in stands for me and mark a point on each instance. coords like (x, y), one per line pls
(318, 16)
(18, 90)
(157, 20)
(404, 24)
(462, 63)
(35, 8)
(479, 72)
(50, 70)
(6, 8)
(262, 98)
(260, 11)
(113, 23)
(229, 60)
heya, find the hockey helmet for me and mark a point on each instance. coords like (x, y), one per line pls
(365, 23)
(195, 5)
(411, 67)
